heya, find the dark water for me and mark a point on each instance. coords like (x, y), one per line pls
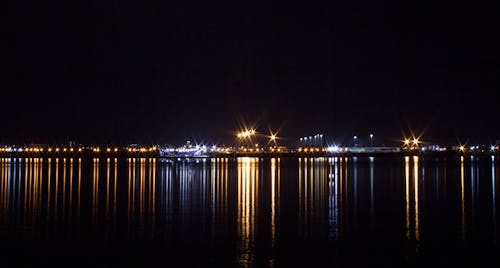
(249, 212)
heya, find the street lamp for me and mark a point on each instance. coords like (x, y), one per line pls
(371, 140)
(407, 142)
(272, 139)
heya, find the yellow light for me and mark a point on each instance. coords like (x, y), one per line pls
(64, 150)
(415, 141)
(71, 149)
(116, 149)
(108, 150)
(462, 148)
(57, 149)
(407, 141)
(79, 149)
(273, 137)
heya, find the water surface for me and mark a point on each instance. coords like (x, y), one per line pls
(408, 211)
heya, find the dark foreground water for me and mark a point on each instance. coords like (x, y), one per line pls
(249, 212)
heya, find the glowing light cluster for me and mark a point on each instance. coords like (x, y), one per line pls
(246, 133)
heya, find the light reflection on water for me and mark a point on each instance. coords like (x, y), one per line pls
(252, 203)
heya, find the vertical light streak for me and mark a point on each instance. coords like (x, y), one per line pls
(415, 177)
(56, 190)
(407, 185)
(273, 204)
(153, 197)
(48, 188)
(493, 198)
(300, 189)
(372, 198)
(64, 190)
(462, 197)
(114, 188)
(70, 206)
(107, 188)
(79, 188)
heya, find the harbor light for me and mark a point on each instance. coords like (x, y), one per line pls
(332, 149)
(415, 141)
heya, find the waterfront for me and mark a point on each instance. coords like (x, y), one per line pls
(248, 211)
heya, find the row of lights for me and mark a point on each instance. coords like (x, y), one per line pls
(142, 150)
(221, 150)
(40, 150)
(246, 133)
(57, 149)
(310, 138)
(312, 150)
(414, 142)
(251, 132)
(462, 148)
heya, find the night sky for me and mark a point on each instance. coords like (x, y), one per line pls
(123, 71)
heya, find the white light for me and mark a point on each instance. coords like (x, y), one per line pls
(493, 148)
(332, 149)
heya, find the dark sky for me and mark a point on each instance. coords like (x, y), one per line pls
(154, 71)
